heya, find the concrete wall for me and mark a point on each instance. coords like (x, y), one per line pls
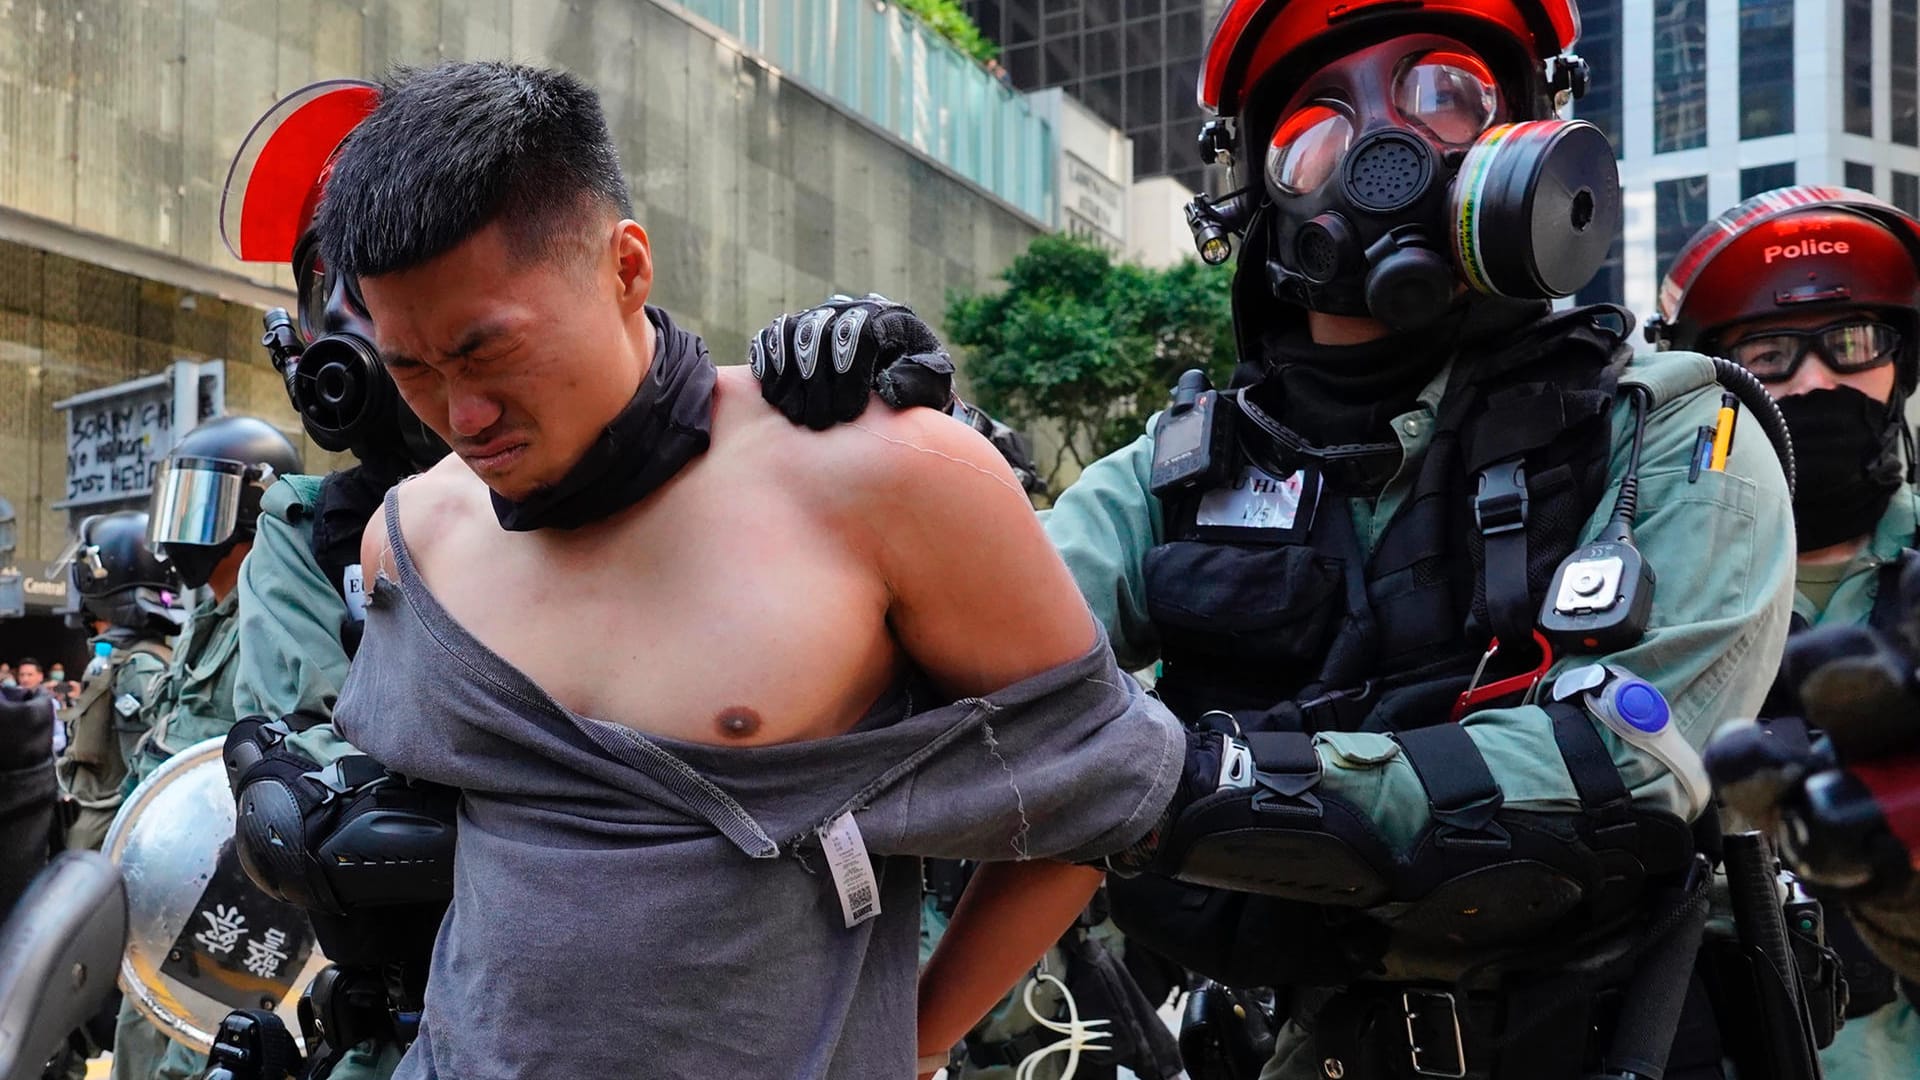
(119, 118)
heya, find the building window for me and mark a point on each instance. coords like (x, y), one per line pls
(1679, 209)
(1766, 68)
(1765, 178)
(1133, 62)
(1902, 93)
(1857, 66)
(1859, 176)
(1906, 192)
(1609, 284)
(1680, 74)
(1600, 44)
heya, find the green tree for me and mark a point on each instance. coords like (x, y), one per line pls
(1088, 344)
(949, 20)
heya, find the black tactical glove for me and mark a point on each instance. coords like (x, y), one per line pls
(340, 837)
(1835, 778)
(818, 367)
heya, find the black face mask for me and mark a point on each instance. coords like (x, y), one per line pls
(1846, 449)
(196, 562)
(665, 426)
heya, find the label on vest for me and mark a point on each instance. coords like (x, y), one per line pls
(852, 870)
(353, 589)
(126, 705)
(1256, 500)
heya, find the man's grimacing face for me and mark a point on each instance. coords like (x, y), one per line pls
(517, 362)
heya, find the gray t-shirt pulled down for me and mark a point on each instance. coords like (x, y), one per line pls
(633, 906)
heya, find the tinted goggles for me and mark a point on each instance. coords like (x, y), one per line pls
(1847, 348)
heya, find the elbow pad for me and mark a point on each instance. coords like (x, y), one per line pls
(338, 838)
(1479, 872)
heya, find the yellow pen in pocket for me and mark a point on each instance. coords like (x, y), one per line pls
(1723, 431)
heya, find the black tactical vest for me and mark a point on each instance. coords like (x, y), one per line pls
(1296, 629)
(348, 500)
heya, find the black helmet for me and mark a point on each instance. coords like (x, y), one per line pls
(206, 496)
(115, 575)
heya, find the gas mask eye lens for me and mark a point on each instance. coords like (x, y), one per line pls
(310, 290)
(1450, 95)
(1306, 147)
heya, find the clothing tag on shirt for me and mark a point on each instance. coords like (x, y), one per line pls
(353, 587)
(1255, 500)
(852, 871)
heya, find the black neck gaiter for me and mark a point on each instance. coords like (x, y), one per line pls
(667, 424)
(1846, 450)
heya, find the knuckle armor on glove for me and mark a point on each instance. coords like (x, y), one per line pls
(339, 837)
(820, 366)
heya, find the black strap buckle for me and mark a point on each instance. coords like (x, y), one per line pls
(1500, 500)
(1433, 1018)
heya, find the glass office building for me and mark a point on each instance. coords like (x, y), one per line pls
(1135, 63)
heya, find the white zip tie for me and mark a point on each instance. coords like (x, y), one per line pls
(1080, 1034)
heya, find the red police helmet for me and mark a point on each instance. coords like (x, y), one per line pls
(1255, 37)
(1789, 250)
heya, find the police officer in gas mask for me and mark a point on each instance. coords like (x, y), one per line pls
(301, 610)
(1815, 291)
(1441, 583)
(131, 598)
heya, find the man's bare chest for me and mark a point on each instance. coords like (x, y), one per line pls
(721, 623)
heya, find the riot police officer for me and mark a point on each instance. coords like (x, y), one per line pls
(1816, 291)
(1442, 583)
(301, 591)
(206, 504)
(132, 599)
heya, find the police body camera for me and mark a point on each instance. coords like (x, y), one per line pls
(1191, 441)
(1600, 599)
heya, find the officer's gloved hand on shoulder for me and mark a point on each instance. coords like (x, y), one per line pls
(1834, 774)
(820, 367)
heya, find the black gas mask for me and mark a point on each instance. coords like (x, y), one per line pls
(343, 393)
(1392, 182)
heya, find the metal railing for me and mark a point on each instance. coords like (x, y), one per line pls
(882, 63)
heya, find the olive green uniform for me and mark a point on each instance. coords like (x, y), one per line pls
(191, 702)
(1721, 545)
(108, 720)
(291, 657)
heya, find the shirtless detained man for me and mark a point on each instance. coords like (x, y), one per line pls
(640, 881)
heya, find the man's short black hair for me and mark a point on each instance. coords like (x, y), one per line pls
(455, 147)
(28, 661)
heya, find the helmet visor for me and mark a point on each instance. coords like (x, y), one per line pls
(1451, 95)
(1848, 348)
(195, 501)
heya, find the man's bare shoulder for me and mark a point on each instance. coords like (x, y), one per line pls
(430, 504)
